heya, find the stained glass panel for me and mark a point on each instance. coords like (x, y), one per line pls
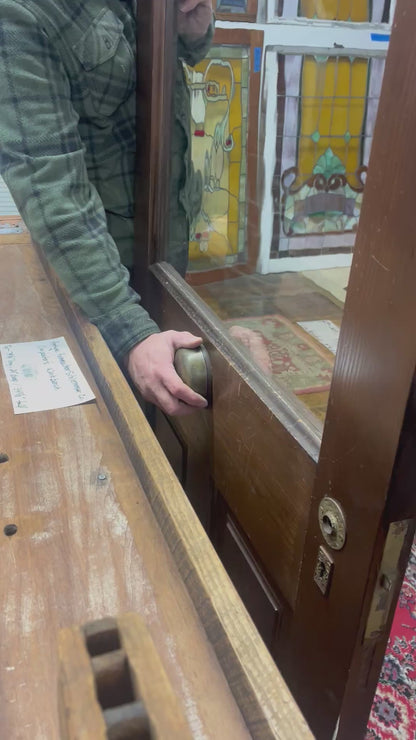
(326, 113)
(232, 6)
(219, 110)
(357, 11)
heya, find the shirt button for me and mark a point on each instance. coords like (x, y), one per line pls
(107, 42)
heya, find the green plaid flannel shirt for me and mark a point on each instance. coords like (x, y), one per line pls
(67, 147)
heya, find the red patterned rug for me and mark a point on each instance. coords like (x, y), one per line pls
(393, 715)
(285, 351)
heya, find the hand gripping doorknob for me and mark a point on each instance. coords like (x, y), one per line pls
(194, 368)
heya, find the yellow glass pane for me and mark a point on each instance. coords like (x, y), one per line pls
(336, 10)
(218, 153)
(333, 104)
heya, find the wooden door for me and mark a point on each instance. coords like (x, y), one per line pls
(313, 521)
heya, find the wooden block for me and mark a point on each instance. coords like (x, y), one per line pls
(125, 691)
(80, 714)
(150, 681)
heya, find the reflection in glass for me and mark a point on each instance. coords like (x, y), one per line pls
(283, 171)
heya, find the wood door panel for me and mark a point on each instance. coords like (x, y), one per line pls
(251, 584)
(265, 476)
(173, 447)
(267, 480)
(186, 442)
(265, 446)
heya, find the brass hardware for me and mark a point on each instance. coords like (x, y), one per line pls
(332, 523)
(386, 579)
(194, 368)
(323, 571)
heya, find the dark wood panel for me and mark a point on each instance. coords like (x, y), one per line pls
(372, 378)
(251, 584)
(269, 493)
(156, 67)
(192, 435)
(172, 445)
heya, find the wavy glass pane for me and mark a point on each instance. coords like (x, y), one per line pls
(280, 145)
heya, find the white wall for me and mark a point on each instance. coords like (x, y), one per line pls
(7, 205)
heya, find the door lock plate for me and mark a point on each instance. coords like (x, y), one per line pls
(332, 523)
(323, 571)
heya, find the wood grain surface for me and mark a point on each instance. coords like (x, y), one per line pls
(85, 547)
(257, 685)
(135, 696)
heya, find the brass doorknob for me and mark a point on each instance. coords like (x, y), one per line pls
(194, 368)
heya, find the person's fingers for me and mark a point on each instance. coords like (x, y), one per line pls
(161, 397)
(184, 339)
(179, 390)
(150, 365)
(168, 403)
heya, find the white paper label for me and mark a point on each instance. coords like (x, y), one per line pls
(326, 332)
(43, 375)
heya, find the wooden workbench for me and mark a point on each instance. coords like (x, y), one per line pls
(103, 527)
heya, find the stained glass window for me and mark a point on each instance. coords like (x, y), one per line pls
(232, 6)
(326, 112)
(358, 11)
(219, 113)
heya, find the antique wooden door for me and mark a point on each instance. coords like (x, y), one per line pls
(310, 506)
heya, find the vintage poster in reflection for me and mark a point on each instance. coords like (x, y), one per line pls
(219, 109)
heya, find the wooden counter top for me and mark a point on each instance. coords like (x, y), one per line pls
(88, 545)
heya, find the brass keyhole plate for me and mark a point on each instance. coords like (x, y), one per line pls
(332, 523)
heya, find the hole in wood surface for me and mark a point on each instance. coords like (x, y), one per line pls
(3, 457)
(113, 682)
(128, 722)
(102, 636)
(10, 530)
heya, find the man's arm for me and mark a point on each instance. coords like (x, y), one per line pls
(42, 162)
(195, 29)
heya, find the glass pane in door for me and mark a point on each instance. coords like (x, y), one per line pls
(281, 140)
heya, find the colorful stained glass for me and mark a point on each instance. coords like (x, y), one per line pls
(326, 113)
(357, 11)
(232, 6)
(219, 109)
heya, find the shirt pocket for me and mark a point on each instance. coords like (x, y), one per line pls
(108, 63)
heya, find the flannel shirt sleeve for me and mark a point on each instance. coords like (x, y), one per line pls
(42, 163)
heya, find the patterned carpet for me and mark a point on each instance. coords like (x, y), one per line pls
(393, 716)
(285, 352)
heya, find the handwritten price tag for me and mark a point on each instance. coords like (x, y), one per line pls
(43, 375)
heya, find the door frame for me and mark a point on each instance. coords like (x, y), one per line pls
(367, 433)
